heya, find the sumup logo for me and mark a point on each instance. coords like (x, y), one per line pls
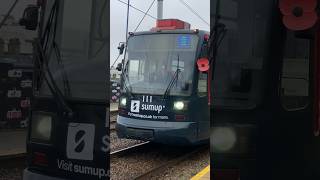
(135, 106)
(146, 105)
(80, 141)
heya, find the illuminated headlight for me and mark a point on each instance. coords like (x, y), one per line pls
(41, 126)
(123, 101)
(224, 139)
(178, 105)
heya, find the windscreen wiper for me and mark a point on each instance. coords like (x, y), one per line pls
(41, 58)
(217, 34)
(173, 80)
(43, 61)
(66, 84)
(57, 51)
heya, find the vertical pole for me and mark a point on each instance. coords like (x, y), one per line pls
(160, 9)
(316, 83)
(128, 11)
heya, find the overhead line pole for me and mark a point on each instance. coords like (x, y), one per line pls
(160, 9)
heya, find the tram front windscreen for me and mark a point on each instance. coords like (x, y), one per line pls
(153, 60)
(79, 52)
(241, 54)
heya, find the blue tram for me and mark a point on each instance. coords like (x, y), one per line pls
(266, 90)
(68, 131)
(164, 95)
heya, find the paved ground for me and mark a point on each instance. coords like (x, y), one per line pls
(12, 142)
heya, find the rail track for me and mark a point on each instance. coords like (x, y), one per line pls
(145, 148)
(130, 149)
(113, 126)
(113, 121)
(159, 169)
(171, 157)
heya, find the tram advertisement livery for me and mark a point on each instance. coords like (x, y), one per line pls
(147, 108)
(69, 133)
(81, 151)
(81, 144)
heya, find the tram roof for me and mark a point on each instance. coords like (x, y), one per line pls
(177, 31)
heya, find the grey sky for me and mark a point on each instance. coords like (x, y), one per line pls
(172, 9)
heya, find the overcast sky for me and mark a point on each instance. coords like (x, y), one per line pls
(171, 9)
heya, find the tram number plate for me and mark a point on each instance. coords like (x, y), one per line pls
(143, 134)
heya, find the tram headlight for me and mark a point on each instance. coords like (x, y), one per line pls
(179, 105)
(224, 139)
(123, 101)
(41, 126)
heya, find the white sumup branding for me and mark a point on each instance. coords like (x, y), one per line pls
(68, 166)
(145, 105)
(150, 107)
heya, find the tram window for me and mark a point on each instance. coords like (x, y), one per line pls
(136, 70)
(78, 73)
(154, 61)
(203, 77)
(295, 73)
(238, 74)
(202, 84)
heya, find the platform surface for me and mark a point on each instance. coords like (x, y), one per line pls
(203, 174)
(12, 142)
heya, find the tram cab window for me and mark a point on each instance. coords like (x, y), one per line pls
(238, 74)
(295, 73)
(155, 60)
(137, 70)
(78, 57)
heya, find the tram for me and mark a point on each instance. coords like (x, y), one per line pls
(68, 127)
(265, 120)
(164, 95)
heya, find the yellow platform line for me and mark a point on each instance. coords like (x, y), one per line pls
(201, 173)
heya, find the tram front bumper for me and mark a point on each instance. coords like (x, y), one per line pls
(177, 133)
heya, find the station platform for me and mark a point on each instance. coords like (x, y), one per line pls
(13, 142)
(203, 174)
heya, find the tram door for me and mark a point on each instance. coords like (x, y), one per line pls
(312, 144)
(202, 108)
(286, 140)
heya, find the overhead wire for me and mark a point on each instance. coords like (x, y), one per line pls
(194, 12)
(125, 51)
(115, 61)
(127, 28)
(8, 14)
(144, 15)
(137, 9)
